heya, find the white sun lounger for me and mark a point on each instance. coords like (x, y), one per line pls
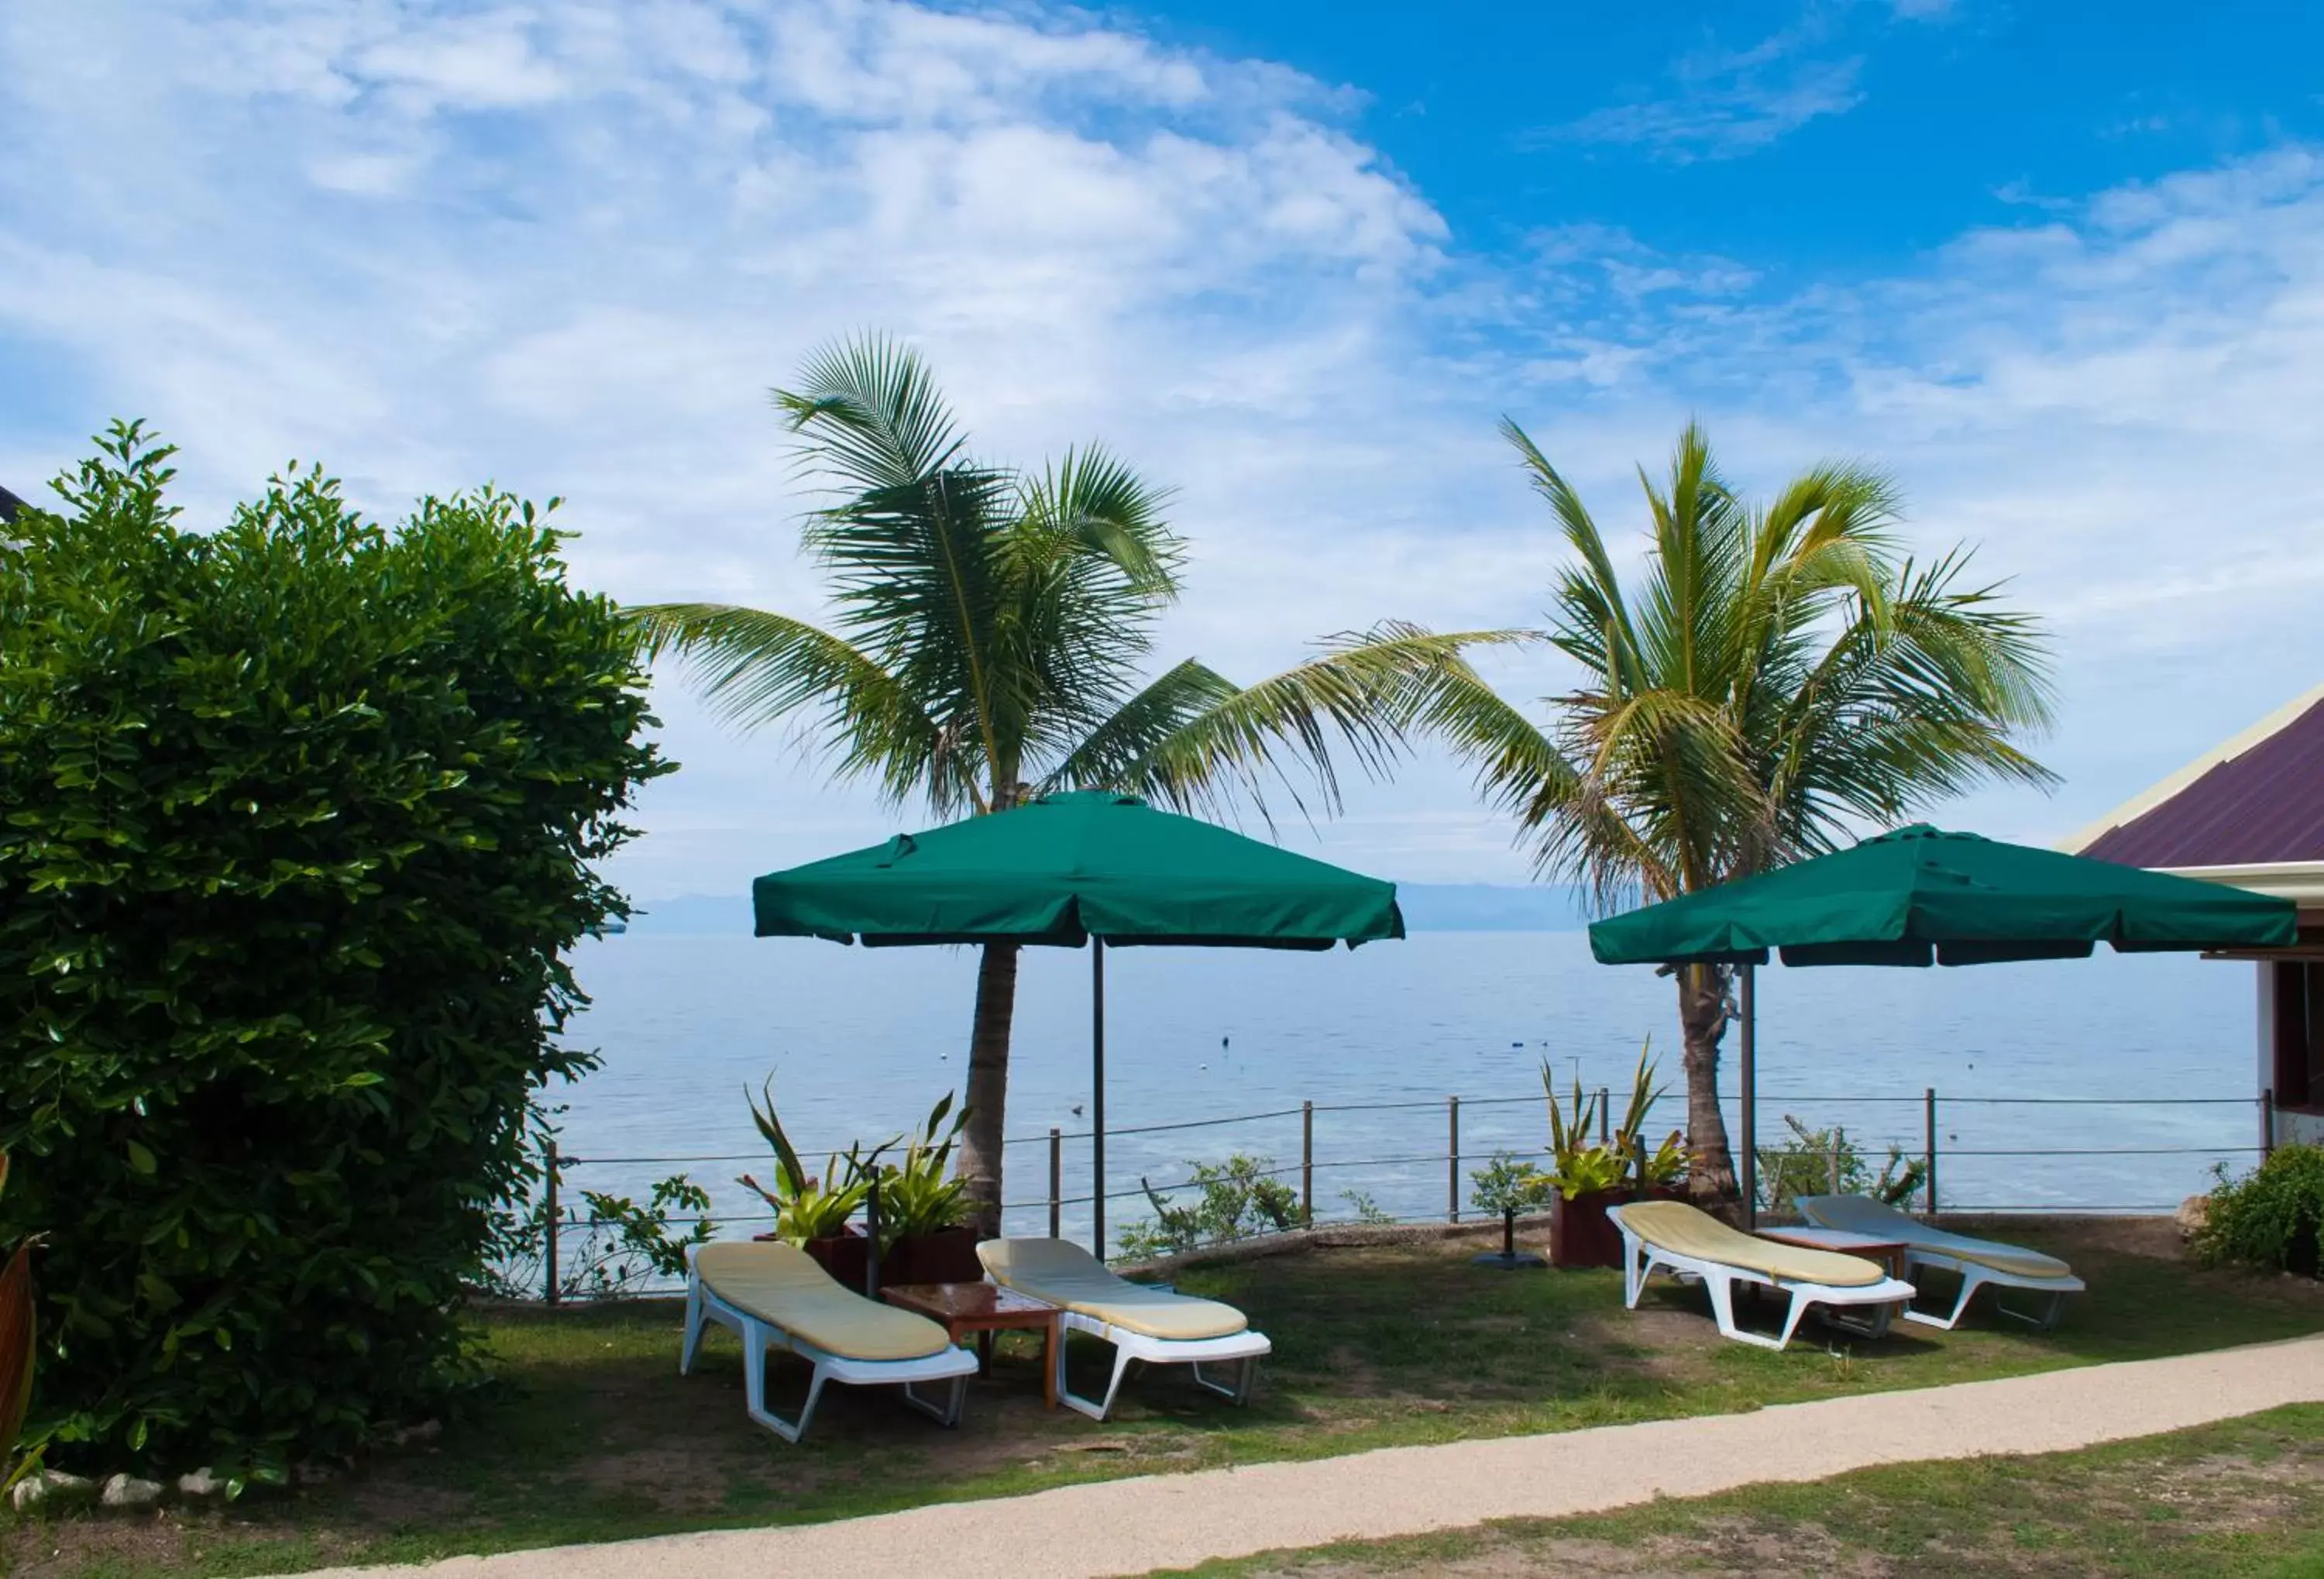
(1157, 1326)
(775, 1297)
(1681, 1240)
(1978, 1261)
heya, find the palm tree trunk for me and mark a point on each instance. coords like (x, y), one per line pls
(1703, 1021)
(987, 1084)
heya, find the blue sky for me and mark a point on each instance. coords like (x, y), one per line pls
(2059, 268)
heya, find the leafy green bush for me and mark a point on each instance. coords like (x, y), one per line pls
(1240, 1198)
(1506, 1187)
(607, 1247)
(2273, 1218)
(1820, 1162)
(301, 815)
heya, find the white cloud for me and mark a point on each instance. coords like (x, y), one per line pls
(568, 247)
(1723, 103)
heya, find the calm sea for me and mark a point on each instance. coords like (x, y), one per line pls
(858, 1043)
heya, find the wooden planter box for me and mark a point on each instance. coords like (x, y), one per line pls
(847, 1257)
(945, 1256)
(1580, 1234)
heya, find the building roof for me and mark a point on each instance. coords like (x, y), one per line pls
(2256, 801)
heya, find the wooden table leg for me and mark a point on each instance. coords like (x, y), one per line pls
(984, 1353)
(1053, 1337)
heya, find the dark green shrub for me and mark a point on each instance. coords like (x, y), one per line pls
(2273, 1218)
(299, 815)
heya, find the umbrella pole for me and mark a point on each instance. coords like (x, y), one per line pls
(1097, 1096)
(1750, 1103)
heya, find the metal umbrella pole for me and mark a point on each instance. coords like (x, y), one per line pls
(1750, 1093)
(1097, 1097)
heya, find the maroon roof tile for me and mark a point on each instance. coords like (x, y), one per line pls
(2261, 807)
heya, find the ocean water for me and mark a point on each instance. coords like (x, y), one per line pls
(859, 1043)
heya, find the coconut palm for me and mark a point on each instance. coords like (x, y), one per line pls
(1773, 678)
(989, 643)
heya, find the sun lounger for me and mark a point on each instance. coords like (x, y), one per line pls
(1978, 1261)
(775, 1297)
(1157, 1326)
(1681, 1240)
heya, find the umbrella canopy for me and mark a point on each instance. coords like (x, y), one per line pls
(1066, 868)
(1922, 896)
(1086, 867)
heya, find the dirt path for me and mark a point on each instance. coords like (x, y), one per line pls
(1134, 1526)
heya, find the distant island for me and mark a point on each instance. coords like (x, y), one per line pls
(1428, 907)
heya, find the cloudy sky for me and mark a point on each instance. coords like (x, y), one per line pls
(2061, 268)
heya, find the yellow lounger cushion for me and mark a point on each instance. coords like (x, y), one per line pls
(1679, 1228)
(1068, 1276)
(1862, 1214)
(782, 1284)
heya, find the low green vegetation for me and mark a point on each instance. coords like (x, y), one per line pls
(2246, 1498)
(2271, 1220)
(596, 1437)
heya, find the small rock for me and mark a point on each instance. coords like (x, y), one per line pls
(62, 1488)
(314, 1472)
(28, 1494)
(202, 1482)
(426, 1431)
(128, 1491)
(2194, 1212)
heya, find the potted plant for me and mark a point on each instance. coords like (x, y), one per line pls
(923, 1215)
(814, 1212)
(1590, 1176)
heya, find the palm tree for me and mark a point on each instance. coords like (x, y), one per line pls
(1774, 676)
(989, 643)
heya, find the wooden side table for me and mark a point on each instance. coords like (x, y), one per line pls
(983, 1309)
(1890, 1254)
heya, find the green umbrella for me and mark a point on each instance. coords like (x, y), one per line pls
(1921, 896)
(1090, 866)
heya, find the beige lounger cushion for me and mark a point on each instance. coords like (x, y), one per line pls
(1679, 1228)
(1068, 1276)
(1862, 1214)
(782, 1284)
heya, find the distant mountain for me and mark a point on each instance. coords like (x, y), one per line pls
(1428, 907)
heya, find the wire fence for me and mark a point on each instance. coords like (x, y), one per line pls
(572, 1250)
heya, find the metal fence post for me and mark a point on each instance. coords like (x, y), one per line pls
(1928, 1147)
(1307, 1161)
(1452, 1160)
(1605, 1109)
(1056, 1182)
(2267, 1123)
(1831, 1162)
(549, 1237)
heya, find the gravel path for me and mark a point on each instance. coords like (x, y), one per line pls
(1165, 1521)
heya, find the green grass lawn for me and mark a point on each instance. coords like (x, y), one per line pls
(598, 1438)
(2244, 1498)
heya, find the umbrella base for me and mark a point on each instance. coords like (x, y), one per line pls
(1507, 1261)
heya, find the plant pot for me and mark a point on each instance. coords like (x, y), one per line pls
(1580, 1234)
(847, 1257)
(946, 1256)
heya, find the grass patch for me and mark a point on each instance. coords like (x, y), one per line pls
(599, 1439)
(2243, 1498)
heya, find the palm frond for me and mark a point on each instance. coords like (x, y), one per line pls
(1361, 696)
(872, 416)
(755, 668)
